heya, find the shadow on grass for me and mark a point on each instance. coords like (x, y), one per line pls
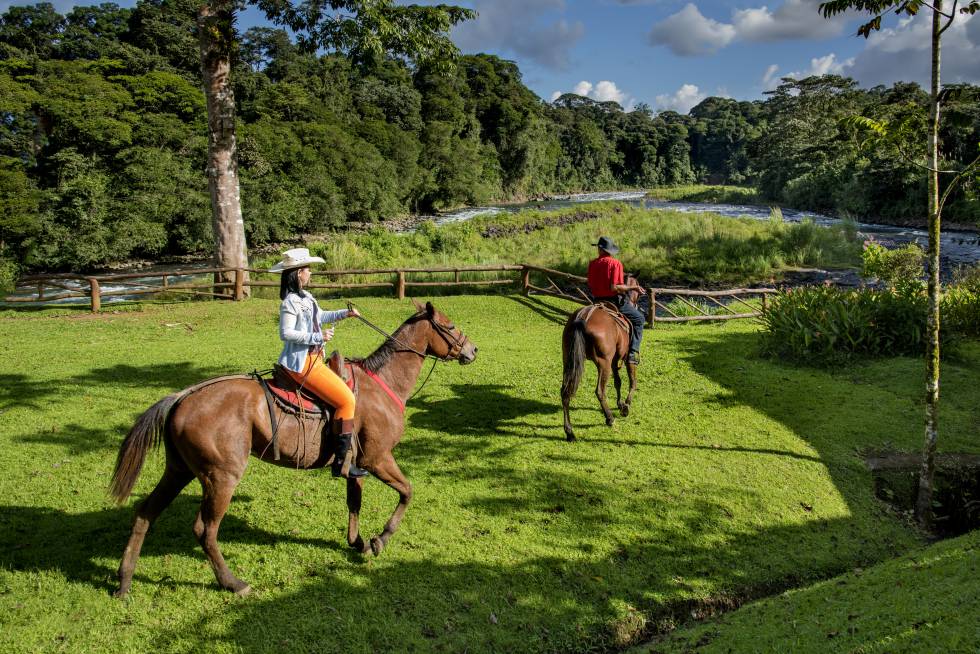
(478, 409)
(580, 601)
(77, 439)
(542, 305)
(44, 538)
(21, 391)
(168, 376)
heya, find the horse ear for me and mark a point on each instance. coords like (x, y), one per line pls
(418, 307)
(429, 309)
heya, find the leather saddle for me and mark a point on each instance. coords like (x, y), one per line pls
(608, 307)
(292, 399)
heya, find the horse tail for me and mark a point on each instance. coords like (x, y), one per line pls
(574, 359)
(144, 436)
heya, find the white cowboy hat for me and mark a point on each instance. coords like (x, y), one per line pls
(295, 258)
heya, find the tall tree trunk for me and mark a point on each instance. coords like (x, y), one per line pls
(216, 36)
(923, 507)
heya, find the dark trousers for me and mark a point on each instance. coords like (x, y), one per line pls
(636, 318)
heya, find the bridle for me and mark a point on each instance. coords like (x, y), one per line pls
(455, 343)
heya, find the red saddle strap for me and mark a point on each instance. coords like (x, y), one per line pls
(387, 389)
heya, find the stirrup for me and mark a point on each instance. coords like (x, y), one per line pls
(634, 358)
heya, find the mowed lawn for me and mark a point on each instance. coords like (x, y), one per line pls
(733, 477)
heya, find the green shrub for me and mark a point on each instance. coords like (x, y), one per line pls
(960, 309)
(8, 275)
(824, 324)
(899, 268)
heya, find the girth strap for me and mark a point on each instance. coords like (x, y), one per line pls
(272, 413)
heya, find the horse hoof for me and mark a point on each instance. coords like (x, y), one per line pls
(244, 591)
(120, 593)
(377, 545)
(624, 410)
(358, 545)
(569, 436)
(609, 421)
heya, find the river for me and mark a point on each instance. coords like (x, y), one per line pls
(956, 247)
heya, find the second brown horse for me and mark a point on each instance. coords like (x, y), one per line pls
(595, 334)
(209, 431)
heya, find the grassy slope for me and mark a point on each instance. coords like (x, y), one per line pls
(732, 476)
(926, 601)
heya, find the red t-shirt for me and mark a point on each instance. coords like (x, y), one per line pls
(603, 273)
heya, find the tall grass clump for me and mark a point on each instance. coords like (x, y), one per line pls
(657, 245)
(706, 193)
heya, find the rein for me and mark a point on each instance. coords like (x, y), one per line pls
(456, 346)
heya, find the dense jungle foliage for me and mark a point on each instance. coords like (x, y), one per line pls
(103, 138)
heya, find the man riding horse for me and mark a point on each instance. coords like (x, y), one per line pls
(607, 284)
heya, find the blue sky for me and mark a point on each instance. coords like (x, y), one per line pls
(671, 54)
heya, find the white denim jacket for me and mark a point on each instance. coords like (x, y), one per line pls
(296, 328)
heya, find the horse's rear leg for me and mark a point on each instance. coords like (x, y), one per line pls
(605, 368)
(624, 407)
(388, 471)
(355, 488)
(218, 487)
(566, 400)
(175, 478)
(631, 372)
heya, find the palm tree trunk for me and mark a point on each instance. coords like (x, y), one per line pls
(216, 35)
(923, 507)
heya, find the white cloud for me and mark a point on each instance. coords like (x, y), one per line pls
(769, 79)
(826, 65)
(689, 33)
(901, 53)
(794, 19)
(682, 101)
(602, 91)
(528, 28)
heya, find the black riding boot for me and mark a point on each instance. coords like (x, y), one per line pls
(343, 465)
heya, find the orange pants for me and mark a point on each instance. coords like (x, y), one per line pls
(318, 378)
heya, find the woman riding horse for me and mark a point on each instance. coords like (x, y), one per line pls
(300, 320)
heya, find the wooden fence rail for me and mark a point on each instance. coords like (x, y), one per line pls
(399, 283)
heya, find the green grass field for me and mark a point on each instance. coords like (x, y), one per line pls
(734, 477)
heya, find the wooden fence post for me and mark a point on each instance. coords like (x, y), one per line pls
(525, 280)
(400, 286)
(765, 302)
(239, 284)
(652, 309)
(95, 293)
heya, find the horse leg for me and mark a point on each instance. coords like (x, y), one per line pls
(387, 470)
(624, 409)
(600, 388)
(566, 400)
(355, 487)
(174, 479)
(631, 372)
(217, 487)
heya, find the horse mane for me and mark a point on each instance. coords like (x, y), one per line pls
(377, 360)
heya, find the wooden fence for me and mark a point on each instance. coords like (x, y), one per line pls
(56, 287)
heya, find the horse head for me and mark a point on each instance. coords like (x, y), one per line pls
(634, 290)
(444, 340)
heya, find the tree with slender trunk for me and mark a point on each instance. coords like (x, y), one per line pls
(941, 20)
(360, 28)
